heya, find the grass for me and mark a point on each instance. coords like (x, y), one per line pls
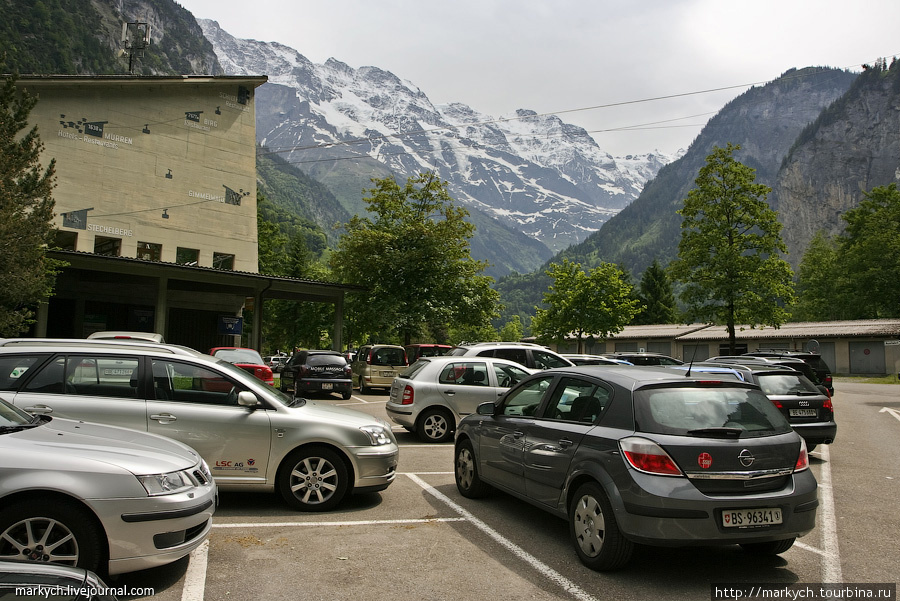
(888, 379)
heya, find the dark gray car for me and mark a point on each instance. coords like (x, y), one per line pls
(643, 455)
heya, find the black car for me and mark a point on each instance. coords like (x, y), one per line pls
(814, 360)
(643, 455)
(789, 362)
(317, 371)
(642, 358)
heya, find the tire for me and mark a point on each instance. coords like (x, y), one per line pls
(346, 395)
(468, 482)
(592, 526)
(435, 425)
(363, 389)
(775, 547)
(51, 532)
(313, 479)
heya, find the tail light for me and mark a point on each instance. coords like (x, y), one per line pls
(803, 458)
(348, 371)
(648, 457)
(778, 404)
(828, 381)
(369, 357)
(408, 395)
(304, 371)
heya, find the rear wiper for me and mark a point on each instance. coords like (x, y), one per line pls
(720, 432)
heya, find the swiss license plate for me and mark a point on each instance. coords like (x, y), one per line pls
(327, 385)
(802, 412)
(387, 374)
(747, 518)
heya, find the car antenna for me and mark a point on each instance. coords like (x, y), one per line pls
(687, 374)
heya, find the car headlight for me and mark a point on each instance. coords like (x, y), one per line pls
(378, 435)
(166, 484)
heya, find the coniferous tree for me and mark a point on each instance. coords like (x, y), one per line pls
(657, 296)
(26, 214)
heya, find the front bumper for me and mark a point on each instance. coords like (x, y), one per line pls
(376, 467)
(152, 531)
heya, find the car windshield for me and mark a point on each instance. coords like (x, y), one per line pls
(240, 355)
(13, 417)
(696, 410)
(786, 383)
(410, 372)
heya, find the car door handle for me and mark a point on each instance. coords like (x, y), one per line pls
(565, 443)
(42, 409)
(164, 418)
(518, 434)
(450, 392)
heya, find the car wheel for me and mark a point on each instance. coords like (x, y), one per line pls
(346, 395)
(363, 389)
(598, 541)
(774, 547)
(468, 481)
(42, 531)
(435, 425)
(313, 479)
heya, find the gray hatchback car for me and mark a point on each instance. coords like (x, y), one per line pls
(643, 455)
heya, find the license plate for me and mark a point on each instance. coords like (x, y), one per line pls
(387, 374)
(327, 385)
(747, 518)
(802, 412)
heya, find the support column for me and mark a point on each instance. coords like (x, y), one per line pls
(337, 337)
(161, 312)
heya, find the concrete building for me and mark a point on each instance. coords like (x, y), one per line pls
(156, 183)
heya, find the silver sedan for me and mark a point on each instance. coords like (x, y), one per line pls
(98, 497)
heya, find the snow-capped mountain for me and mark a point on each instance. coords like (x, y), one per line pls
(534, 173)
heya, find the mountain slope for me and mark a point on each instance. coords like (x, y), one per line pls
(534, 174)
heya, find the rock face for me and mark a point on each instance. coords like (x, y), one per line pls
(852, 147)
(532, 173)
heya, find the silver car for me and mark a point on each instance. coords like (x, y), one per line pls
(251, 435)
(434, 393)
(98, 497)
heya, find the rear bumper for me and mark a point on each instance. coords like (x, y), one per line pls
(818, 433)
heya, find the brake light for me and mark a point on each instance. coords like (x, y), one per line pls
(778, 404)
(647, 456)
(369, 357)
(803, 458)
(408, 395)
(827, 405)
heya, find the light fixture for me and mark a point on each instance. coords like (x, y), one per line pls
(165, 214)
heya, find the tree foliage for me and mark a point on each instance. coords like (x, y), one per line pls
(413, 258)
(26, 214)
(729, 253)
(657, 297)
(597, 303)
(821, 284)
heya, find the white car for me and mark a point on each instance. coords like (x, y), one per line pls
(252, 435)
(434, 393)
(98, 497)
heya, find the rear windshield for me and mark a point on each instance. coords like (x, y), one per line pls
(785, 384)
(239, 355)
(680, 410)
(388, 356)
(410, 372)
(321, 360)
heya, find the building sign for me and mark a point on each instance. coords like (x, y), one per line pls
(76, 220)
(231, 325)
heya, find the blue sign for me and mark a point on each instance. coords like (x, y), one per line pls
(229, 324)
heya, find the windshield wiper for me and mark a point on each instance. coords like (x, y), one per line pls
(720, 432)
(19, 428)
(298, 401)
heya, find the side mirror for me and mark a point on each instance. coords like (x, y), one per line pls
(247, 399)
(486, 408)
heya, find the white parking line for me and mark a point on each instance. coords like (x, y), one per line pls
(195, 575)
(831, 562)
(566, 584)
(347, 523)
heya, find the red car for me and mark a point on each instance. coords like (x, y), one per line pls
(247, 359)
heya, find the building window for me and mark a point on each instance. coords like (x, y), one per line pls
(223, 261)
(148, 251)
(66, 240)
(187, 256)
(110, 247)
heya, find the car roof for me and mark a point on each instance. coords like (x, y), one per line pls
(634, 376)
(441, 359)
(125, 335)
(64, 344)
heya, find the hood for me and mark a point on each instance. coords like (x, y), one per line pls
(343, 415)
(61, 440)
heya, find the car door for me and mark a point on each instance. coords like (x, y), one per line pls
(502, 437)
(87, 386)
(573, 408)
(464, 385)
(197, 405)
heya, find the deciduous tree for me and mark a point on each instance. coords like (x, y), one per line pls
(729, 256)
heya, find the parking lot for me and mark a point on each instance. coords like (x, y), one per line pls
(420, 539)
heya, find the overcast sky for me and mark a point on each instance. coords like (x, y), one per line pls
(561, 56)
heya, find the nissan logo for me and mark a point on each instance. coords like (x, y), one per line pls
(746, 458)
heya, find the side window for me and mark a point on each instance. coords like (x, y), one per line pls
(512, 354)
(465, 374)
(577, 400)
(526, 400)
(545, 360)
(508, 376)
(102, 376)
(14, 367)
(174, 381)
(51, 379)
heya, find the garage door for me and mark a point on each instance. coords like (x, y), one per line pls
(867, 357)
